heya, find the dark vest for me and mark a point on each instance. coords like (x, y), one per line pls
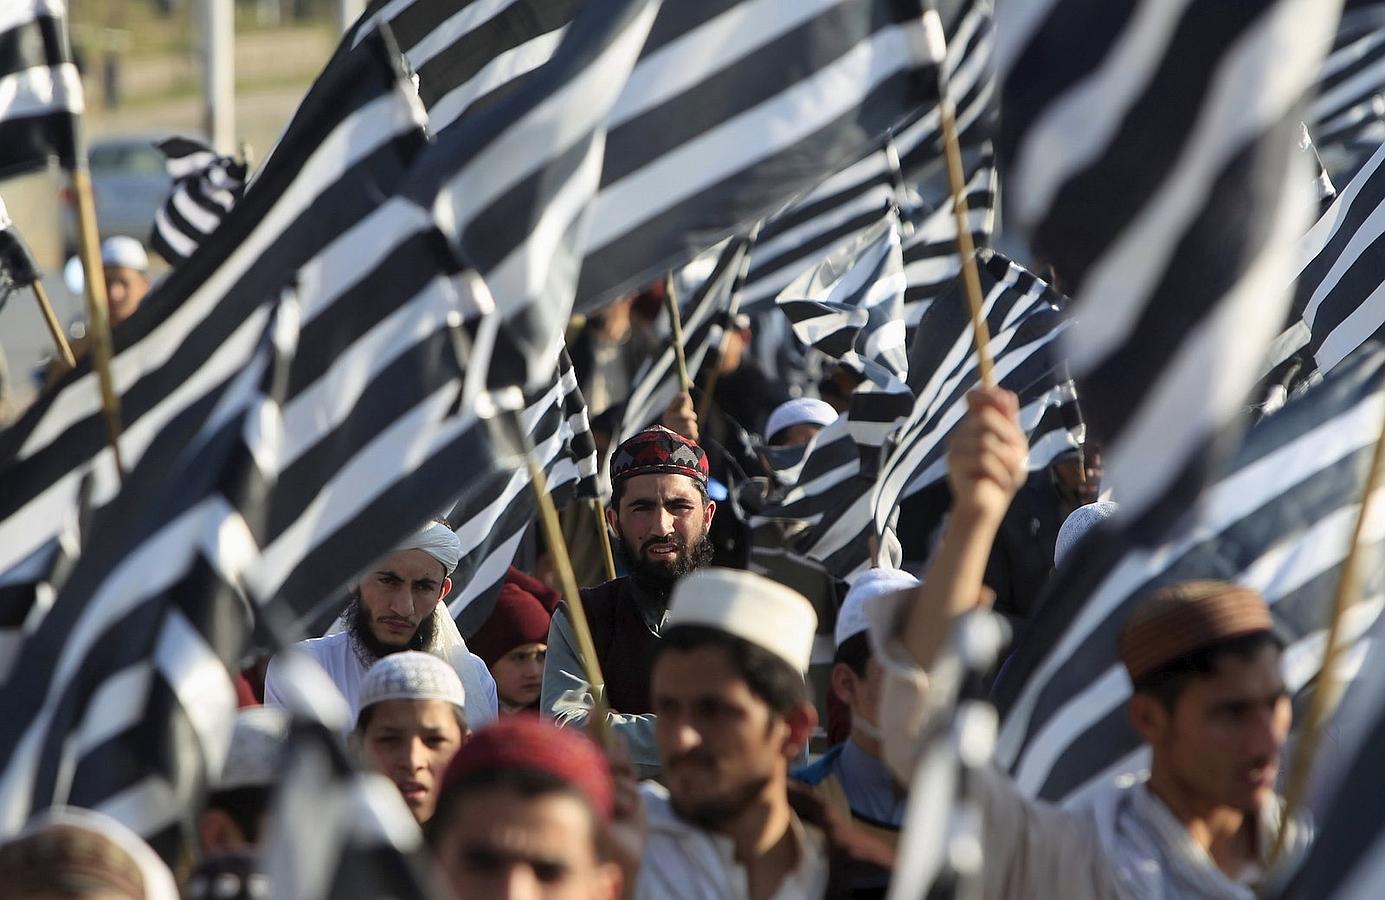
(624, 645)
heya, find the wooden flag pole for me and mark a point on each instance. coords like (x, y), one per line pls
(704, 406)
(1323, 700)
(586, 647)
(98, 311)
(676, 321)
(599, 507)
(55, 329)
(957, 181)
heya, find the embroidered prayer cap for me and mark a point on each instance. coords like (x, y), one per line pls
(258, 739)
(412, 675)
(1078, 523)
(868, 586)
(799, 411)
(1181, 619)
(658, 450)
(530, 744)
(748, 606)
(438, 541)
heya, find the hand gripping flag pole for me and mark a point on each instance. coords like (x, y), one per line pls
(957, 180)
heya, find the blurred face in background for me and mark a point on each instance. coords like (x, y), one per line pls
(125, 290)
(519, 674)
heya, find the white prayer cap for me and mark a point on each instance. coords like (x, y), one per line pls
(750, 607)
(257, 749)
(873, 583)
(411, 675)
(438, 541)
(124, 251)
(1078, 523)
(800, 411)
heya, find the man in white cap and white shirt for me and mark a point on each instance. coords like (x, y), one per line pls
(853, 776)
(794, 423)
(733, 712)
(126, 267)
(397, 606)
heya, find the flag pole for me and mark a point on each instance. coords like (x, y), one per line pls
(599, 507)
(553, 532)
(98, 310)
(676, 321)
(957, 180)
(1323, 700)
(704, 408)
(55, 328)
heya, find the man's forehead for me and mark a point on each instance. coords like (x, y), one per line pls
(412, 564)
(1234, 676)
(660, 484)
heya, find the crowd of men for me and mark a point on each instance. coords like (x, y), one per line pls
(717, 772)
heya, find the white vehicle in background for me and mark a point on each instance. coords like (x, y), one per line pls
(130, 183)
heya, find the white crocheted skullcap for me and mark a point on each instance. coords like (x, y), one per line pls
(120, 250)
(412, 675)
(258, 740)
(438, 541)
(799, 411)
(1078, 523)
(870, 584)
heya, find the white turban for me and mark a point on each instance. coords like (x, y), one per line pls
(870, 584)
(801, 411)
(438, 541)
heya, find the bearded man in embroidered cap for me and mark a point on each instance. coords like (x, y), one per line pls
(660, 512)
(397, 606)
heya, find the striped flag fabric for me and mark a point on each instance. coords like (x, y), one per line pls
(40, 90)
(1150, 159)
(705, 316)
(18, 269)
(1338, 303)
(1279, 518)
(492, 518)
(735, 108)
(206, 184)
(794, 239)
(1348, 104)
(352, 140)
(1327, 192)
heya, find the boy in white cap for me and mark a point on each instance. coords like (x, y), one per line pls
(794, 423)
(853, 775)
(397, 606)
(410, 722)
(238, 799)
(732, 712)
(126, 267)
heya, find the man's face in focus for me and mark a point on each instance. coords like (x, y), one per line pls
(125, 290)
(499, 844)
(661, 520)
(399, 593)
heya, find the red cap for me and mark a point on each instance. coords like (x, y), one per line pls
(658, 450)
(521, 616)
(530, 744)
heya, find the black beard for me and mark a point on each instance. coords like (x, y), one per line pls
(358, 621)
(656, 578)
(710, 815)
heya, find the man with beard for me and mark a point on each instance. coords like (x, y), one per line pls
(660, 512)
(733, 713)
(397, 605)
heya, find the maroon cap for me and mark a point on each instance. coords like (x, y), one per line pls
(658, 450)
(530, 744)
(521, 616)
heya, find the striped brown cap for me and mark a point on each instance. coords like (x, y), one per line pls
(1183, 618)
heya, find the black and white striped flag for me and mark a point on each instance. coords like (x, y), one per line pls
(1279, 518)
(40, 91)
(1150, 157)
(795, 239)
(705, 316)
(206, 185)
(1348, 104)
(18, 268)
(1338, 304)
(492, 518)
(351, 141)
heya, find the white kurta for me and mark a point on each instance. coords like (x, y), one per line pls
(683, 862)
(337, 655)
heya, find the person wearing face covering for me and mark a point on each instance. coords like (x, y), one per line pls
(396, 606)
(853, 775)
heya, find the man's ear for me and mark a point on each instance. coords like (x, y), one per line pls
(446, 587)
(844, 682)
(711, 511)
(611, 519)
(1148, 716)
(801, 720)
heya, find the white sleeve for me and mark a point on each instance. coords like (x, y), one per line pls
(272, 694)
